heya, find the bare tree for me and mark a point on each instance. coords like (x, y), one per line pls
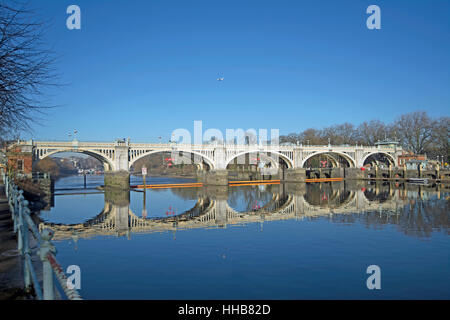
(290, 138)
(339, 134)
(312, 136)
(372, 131)
(415, 131)
(440, 138)
(26, 67)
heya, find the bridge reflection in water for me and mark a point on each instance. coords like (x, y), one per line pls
(217, 207)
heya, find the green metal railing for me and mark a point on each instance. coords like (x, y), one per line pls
(23, 224)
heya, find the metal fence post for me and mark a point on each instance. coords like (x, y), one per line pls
(12, 202)
(26, 247)
(14, 206)
(46, 248)
(6, 180)
(20, 208)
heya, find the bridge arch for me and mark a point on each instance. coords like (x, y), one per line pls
(332, 200)
(208, 160)
(350, 160)
(389, 157)
(276, 205)
(97, 155)
(288, 161)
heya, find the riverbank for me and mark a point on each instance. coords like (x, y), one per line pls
(11, 282)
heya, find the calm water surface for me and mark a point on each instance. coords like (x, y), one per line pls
(288, 241)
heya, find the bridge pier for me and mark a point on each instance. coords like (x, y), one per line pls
(294, 188)
(221, 212)
(354, 173)
(119, 202)
(294, 175)
(214, 178)
(117, 180)
(122, 221)
(337, 173)
(218, 194)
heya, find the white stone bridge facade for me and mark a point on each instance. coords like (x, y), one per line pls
(121, 155)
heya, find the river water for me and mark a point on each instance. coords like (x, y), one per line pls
(285, 241)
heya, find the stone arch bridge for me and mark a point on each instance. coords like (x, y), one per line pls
(119, 156)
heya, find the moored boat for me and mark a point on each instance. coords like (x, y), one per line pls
(418, 180)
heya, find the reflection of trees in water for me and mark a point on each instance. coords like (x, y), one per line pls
(249, 196)
(420, 218)
(417, 218)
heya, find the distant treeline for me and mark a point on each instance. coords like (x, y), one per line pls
(55, 167)
(416, 132)
(160, 164)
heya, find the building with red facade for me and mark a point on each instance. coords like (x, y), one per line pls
(407, 157)
(20, 158)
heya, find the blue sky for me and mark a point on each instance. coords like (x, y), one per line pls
(141, 69)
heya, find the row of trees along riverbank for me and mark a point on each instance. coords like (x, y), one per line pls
(416, 132)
